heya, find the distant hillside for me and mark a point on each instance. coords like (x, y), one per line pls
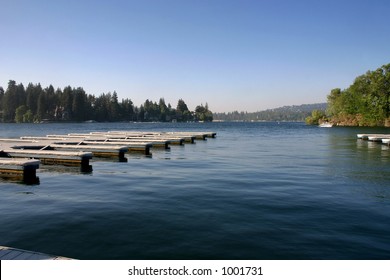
(285, 113)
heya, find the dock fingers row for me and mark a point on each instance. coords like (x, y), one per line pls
(21, 157)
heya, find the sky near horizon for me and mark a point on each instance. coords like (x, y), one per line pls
(243, 55)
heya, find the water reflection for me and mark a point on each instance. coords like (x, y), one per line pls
(32, 180)
(82, 170)
(363, 164)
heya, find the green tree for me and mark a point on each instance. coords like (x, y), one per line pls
(32, 95)
(78, 105)
(114, 108)
(14, 97)
(10, 102)
(316, 117)
(164, 112)
(41, 107)
(127, 110)
(202, 113)
(66, 101)
(182, 112)
(19, 113)
(28, 117)
(1, 103)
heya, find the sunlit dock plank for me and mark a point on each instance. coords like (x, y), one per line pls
(380, 138)
(386, 141)
(373, 137)
(51, 156)
(19, 168)
(210, 134)
(174, 139)
(43, 138)
(8, 253)
(15, 140)
(96, 150)
(187, 135)
(131, 146)
(170, 140)
(123, 133)
(135, 143)
(376, 138)
(197, 134)
(68, 136)
(156, 143)
(84, 140)
(106, 143)
(156, 139)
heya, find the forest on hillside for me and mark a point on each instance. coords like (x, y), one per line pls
(37, 104)
(296, 113)
(364, 103)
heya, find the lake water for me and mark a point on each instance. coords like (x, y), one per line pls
(257, 191)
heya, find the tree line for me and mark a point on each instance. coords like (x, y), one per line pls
(364, 103)
(37, 104)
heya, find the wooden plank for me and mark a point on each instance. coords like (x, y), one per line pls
(24, 169)
(131, 146)
(174, 139)
(51, 157)
(96, 150)
(18, 163)
(16, 140)
(367, 136)
(47, 154)
(135, 141)
(37, 138)
(8, 253)
(198, 136)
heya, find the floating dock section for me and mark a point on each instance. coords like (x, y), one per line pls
(8, 253)
(23, 169)
(379, 138)
(42, 150)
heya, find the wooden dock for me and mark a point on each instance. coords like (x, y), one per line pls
(155, 140)
(379, 138)
(46, 156)
(21, 157)
(104, 143)
(96, 150)
(188, 136)
(19, 169)
(8, 253)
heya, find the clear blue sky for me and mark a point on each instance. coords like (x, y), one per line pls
(235, 55)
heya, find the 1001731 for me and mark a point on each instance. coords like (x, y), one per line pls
(242, 270)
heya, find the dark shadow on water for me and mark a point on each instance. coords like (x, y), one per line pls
(27, 181)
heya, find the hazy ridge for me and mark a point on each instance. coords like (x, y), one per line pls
(285, 113)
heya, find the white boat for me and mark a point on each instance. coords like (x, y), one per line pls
(325, 124)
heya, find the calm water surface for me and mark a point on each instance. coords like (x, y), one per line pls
(257, 191)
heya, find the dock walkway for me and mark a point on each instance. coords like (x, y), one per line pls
(8, 253)
(380, 138)
(77, 149)
(21, 168)
(41, 150)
